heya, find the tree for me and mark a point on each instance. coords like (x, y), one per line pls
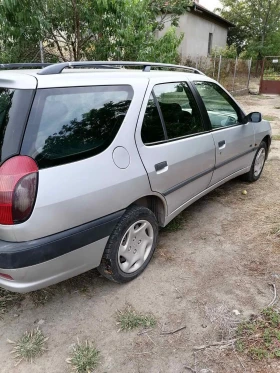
(257, 25)
(87, 29)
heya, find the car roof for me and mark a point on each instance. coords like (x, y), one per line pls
(31, 78)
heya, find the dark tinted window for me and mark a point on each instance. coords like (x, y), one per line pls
(14, 108)
(221, 108)
(152, 130)
(67, 124)
(179, 109)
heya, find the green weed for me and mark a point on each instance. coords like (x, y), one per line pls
(84, 357)
(175, 224)
(270, 118)
(129, 319)
(31, 345)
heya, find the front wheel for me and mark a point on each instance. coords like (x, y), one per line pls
(130, 246)
(258, 164)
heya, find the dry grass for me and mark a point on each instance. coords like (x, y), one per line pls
(8, 300)
(43, 296)
(223, 319)
(164, 254)
(30, 346)
(79, 284)
(276, 137)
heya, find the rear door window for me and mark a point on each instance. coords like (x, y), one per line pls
(179, 110)
(68, 124)
(152, 129)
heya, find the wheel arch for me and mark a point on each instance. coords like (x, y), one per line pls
(156, 204)
(267, 140)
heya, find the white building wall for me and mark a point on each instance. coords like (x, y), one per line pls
(196, 35)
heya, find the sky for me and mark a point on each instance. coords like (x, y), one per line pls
(210, 4)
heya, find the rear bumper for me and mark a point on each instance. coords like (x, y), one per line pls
(39, 263)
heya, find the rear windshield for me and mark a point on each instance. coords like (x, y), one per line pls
(68, 124)
(14, 109)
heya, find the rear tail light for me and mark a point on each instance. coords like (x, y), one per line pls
(18, 188)
(6, 277)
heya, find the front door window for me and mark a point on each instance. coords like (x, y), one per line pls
(221, 109)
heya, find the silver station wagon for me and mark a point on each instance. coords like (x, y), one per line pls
(96, 156)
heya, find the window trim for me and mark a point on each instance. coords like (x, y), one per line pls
(161, 121)
(231, 101)
(194, 94)
(176, 139)
(160, 114)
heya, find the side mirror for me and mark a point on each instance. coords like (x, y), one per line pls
(254, 117)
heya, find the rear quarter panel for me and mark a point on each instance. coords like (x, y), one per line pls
(76, 193)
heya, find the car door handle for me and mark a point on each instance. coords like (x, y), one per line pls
(222, 144)
(160, 166)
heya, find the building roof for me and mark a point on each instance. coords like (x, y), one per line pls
(204, 11)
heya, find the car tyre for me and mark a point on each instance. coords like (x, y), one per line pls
(257, 165)
(130, 246)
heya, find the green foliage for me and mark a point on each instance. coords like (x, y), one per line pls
(163, 49)
(271, 316)
(267, 337)
(257, 26)
(259, 338)
(246, 327)
(84, 29)
(239, 346)
(258, 353)
(230, 51)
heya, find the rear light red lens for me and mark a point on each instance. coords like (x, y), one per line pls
(6, 277)
(18, 187)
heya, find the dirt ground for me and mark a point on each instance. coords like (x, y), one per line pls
(224, 253)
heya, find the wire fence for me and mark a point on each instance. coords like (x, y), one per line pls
(234, 74)
(238, 76)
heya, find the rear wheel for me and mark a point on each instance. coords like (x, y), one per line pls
(130, 246)
(258, 164)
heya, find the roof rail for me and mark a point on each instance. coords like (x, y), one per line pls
(59, 67)
(23, 65)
